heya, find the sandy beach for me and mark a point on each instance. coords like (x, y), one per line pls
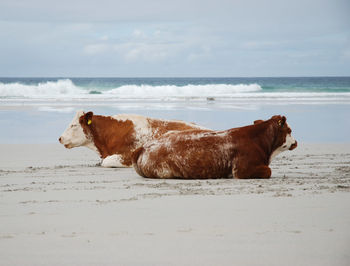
(58, 207)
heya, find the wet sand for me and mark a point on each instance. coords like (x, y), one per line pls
(58, 207)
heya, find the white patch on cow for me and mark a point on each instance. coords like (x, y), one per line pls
(199, 135)
(74, 135)
(285, 146)
(149, 148)
(113, 161)
(163, 171)
(226, 152)
(143, 132)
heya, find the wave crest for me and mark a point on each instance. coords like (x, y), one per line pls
(215, 90)
(65, 88)
(60, 88)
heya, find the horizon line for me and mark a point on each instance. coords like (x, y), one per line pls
(165, 77)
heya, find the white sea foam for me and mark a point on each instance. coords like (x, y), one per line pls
(215, 90)
(52, 89)
(65, 90)
(57, 110)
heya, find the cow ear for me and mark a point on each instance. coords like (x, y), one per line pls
(88, 118)
(282, 121)
(258, 121)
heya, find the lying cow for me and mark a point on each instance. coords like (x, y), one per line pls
(244, 152)
(115, 138)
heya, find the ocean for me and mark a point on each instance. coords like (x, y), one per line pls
(321, 89)
(37, 110)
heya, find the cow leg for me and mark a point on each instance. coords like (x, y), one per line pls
(260, 171)
(113, 161)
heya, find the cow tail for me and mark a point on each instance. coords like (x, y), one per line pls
(135, 156)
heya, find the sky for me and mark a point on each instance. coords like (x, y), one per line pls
(182, 38)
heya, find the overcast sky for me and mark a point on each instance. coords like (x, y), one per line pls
(158, 38)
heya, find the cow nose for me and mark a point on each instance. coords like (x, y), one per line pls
(294, 145)
(60, 140)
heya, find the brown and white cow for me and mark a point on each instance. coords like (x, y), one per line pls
(115, 138)
(244, 152)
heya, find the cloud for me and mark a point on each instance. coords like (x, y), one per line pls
(147, 52)
(238, 15)
(346, 53)
(172, 38)
(152, 45)
(202, 53)
(95, 49)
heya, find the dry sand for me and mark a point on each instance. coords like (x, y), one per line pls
(58, 207)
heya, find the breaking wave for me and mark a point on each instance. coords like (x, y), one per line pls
(50, 89)
(65, 88)
(164, 91)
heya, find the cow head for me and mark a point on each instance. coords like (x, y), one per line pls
(76, 134)
(283, 135)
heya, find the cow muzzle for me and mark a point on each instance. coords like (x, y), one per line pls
(293, 146)
(68, 146)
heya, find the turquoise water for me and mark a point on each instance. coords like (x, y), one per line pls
(283, 84)
(168, 87)
(305, 84)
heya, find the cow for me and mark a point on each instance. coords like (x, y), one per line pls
(115, 138)
(243, 152)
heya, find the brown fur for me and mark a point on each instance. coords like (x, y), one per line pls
(112, 136)
(242, 152)
(135, 155)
